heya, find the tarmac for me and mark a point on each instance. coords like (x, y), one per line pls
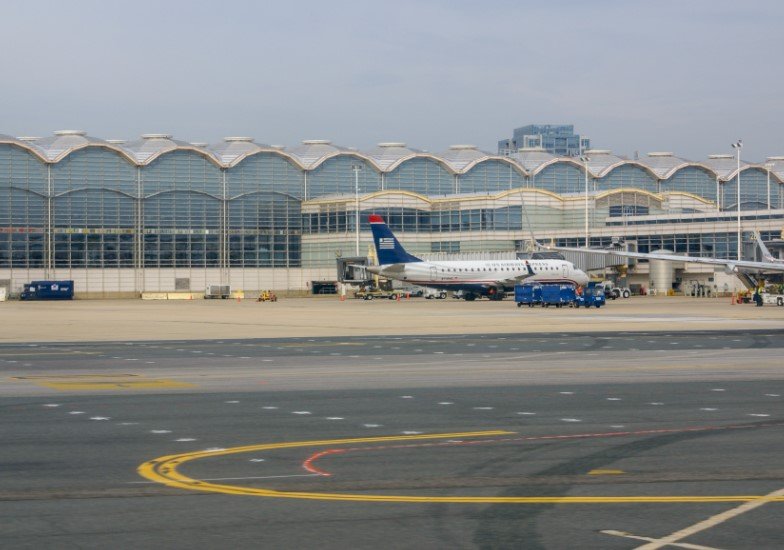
(129, 320)
(651, 423)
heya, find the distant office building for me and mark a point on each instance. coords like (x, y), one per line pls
(557, 139)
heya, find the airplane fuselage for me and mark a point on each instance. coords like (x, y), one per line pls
(482, 276)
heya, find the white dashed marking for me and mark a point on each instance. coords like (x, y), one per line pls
(483, 408)
(709, 409)
(234, 401)
(129, 423)
(269, 408)
(656, 403)
(527, 413)
(372, 425)
(617, 426)
(718, 389)
(100, 418)
(335, 418)
(185, 439)
(409, 432)
(406, 397)
(566, 392)
(51, 405)
(160, 431)
(759, 414)
(613, 399)
(256, 460)
(214, 449)
(445, 403)
(76, 412)
(301, 412)
(571, 420)
(766, 395)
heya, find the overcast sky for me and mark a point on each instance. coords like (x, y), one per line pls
(682, 76)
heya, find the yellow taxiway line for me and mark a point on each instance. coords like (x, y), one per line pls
(165, 470)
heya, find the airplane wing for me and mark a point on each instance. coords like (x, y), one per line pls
(520, 278)
(729, 266)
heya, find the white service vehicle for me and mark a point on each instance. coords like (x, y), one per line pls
(771, 299)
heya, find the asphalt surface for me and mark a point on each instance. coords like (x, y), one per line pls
(478, 434)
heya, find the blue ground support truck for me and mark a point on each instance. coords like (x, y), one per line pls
(48, 290)
(592, 295)
(547, 295)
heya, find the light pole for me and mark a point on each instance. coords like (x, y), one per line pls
(738, 145)
(768, 166)
(356, 168)
(585, 161)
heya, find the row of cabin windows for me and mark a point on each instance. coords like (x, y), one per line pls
(460, 269)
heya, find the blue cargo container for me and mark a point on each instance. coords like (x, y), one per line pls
(48, 290)
(528, 294)
(558, 295)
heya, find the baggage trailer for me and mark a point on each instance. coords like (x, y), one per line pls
(529, 295)
(48, 290)
(553, 294)
(558, 295)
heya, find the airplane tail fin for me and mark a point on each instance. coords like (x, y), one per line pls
(388, 248)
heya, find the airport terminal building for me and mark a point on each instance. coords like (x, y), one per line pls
(157, 214)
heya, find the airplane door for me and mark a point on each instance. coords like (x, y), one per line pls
(565, 270)
(433, 274)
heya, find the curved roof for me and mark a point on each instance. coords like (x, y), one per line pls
(150, 146)
(64, 142)
(234, 148)
(390, 153)
(664, 164)
(602, 161)
(533, 158)
(776, 167)
(724, 165)
(460, 157)
(313, 152)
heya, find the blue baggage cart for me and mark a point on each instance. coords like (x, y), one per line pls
(48, 290)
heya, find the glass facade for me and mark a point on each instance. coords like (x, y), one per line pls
(99, 206)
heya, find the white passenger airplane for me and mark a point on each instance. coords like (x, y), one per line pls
(730, 266)
(475, 278)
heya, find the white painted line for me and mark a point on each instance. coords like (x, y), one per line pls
(76, 412)
(613, 399)
(269, 408)
(617, 426)
(52, 405)
(571, 420)
(772, 395)
(301, 412)
(566, 392)
(184, 439)
(718, 389)
(150, 362)
(445, 403)
(233, 401)
(406, 397)
(266, 360)
(129, 423)
(257, 460)
(100, 418)
(410, 433)
(335, 418)
(527, 413)
(759, 415)
(656, 403)
(709, 409)
(160, 431)
(649, 539)
(214, 449)
(712, 521)
(483, 408)
(372, 425)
